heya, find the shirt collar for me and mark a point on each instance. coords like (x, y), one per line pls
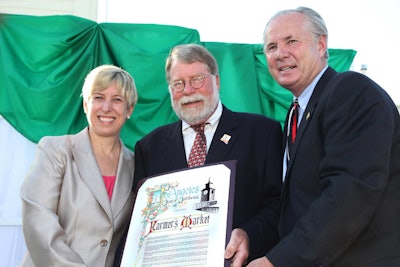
(305, 96)
(211, 122)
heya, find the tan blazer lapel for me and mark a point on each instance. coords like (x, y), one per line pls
(124, 182)
(89, 170)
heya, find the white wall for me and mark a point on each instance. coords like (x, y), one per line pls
(81, 8)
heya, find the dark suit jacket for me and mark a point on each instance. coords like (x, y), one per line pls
(341, 196)
(256, 144)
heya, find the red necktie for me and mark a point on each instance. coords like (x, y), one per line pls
(293, 120)
(198, 152)
(293, 127)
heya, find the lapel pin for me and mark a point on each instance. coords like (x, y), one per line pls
(308, 116)
(225, 138)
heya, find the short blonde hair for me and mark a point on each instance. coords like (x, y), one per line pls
(103, 76)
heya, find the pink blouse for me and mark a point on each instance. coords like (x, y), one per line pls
(109, 182)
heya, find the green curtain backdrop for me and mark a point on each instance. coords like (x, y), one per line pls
(44, 60)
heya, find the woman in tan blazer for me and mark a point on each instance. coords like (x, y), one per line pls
(77, 197)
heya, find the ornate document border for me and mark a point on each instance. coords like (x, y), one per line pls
(182, 218)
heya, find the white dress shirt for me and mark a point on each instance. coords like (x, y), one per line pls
(189, 134)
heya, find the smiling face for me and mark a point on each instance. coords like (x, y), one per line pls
(192, 105)
(294, 54)
(106, 111)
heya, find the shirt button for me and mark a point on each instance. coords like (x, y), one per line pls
(104, 243)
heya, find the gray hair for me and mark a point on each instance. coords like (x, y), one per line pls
(190, 53)
(316, 23)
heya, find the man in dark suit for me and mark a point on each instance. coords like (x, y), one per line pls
(255, 141)
(340, 203)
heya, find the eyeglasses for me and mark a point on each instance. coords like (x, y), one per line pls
(196, 82)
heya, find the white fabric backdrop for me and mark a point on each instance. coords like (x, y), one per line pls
(16, 155)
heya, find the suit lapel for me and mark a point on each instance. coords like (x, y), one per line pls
(309, 112)
(89, 170)
(174, 142)
(219, 149)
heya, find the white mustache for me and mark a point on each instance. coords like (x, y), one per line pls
(192, 98)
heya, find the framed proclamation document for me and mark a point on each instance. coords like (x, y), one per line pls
(182, 218)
